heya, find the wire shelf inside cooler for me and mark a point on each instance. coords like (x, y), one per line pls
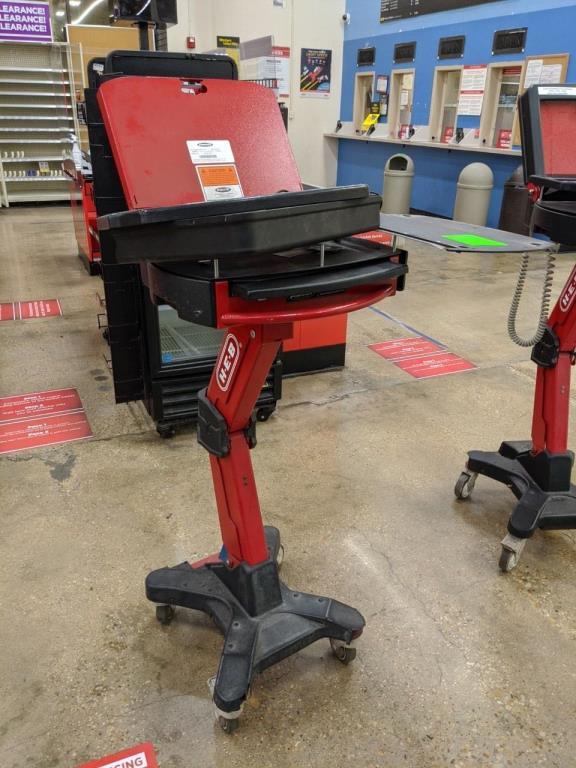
(181, 341)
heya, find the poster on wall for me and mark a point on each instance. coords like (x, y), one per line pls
(315, 72)
(472, 87)
(281, 57)
(231, 46)
(25, 22)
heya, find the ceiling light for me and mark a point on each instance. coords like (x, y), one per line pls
(74, 3)
(87, 11)
(59, 13)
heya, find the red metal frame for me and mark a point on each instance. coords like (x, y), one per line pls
(245, 358)
(552, 398)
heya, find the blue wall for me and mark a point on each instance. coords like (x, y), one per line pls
(551, 29)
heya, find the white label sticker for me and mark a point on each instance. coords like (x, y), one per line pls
(210, 151)
(548, 90)
(222, 193)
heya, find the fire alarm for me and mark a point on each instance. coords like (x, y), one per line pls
(190, 42)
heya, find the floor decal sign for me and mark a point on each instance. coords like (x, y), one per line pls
(140, 756)
(28, 310)
(421, 358)
(39, 419)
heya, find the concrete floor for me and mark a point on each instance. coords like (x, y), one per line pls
(459, 666)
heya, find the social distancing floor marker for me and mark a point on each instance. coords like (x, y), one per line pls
(29, 310)
(39, 419)
(140, 756)
(422, 358)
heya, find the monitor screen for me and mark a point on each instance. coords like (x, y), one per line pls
(557, 120)
(156, 11)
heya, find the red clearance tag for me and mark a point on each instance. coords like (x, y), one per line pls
(140, 756)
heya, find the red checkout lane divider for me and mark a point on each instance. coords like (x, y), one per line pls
(28, 310)
(421, 358)
(42, 418)
(140, 756)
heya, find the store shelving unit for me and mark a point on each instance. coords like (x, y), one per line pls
(37, 117)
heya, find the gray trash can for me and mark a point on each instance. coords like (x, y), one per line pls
(516, 210)
(397, 186)
(474, 190)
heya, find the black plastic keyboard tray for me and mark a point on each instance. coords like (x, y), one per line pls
(240, 227)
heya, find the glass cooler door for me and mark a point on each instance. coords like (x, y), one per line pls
(183, 343)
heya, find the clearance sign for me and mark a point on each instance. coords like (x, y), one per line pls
(25, 22)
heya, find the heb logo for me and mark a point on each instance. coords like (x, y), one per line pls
(227, 362)
(140, 756)
(567, 298)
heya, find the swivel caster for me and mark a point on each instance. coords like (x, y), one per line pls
(280, 557)
(228, 724)
(166, 430)
(465, 485)
(165, 614)
(263, 414)
(344, 653)
(512, 548)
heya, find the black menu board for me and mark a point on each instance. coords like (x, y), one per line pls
(402, 9)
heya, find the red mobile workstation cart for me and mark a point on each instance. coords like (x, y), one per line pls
(224, 233)
(539, 471)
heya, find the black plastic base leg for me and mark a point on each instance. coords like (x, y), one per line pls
(263, 620)
(538, 507)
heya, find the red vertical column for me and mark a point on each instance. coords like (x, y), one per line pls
(243, 363)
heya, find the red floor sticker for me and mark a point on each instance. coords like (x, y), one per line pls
(377, 236)
(440, 364)
(41, 418)
(398, 349)
(35, 404)
(140, 756)
(26, 310)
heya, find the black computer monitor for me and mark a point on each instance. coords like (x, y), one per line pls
(148, 11)
(547, 120)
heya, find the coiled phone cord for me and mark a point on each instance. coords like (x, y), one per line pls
(544, 306)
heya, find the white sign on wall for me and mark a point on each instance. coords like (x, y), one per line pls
(472, 87)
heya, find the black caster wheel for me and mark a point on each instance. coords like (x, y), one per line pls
(344, 653)
(165, 431)
(228, 724)
(263, 414)
(465, 485)
(106, 335)
(165, 614)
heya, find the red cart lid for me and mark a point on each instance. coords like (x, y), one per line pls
(176, 142)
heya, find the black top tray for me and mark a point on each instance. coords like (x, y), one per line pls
(240, 227)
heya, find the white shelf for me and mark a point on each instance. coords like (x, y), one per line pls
(482, 148)
(30, 159)
(35, 141)
(35, 178)
(60, 94)
(36, 117)
(37, 197)
(11, 81)
(31, 69)
(63, 129)
(37, 106)
(37, 78)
